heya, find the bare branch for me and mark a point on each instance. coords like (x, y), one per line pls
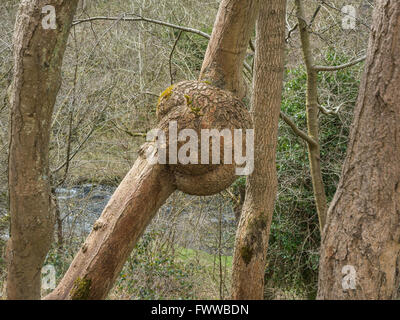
(326, 4)
(140, 18)
(161, 23)
(330, 111)
(340, 67)
(129, 133)
(74, 153)
(314, 16)
(171, 55)
(297, 131)
(290, 32)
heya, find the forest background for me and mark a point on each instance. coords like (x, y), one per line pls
(113, 73)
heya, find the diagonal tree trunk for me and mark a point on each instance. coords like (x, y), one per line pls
(360, 254)
(146, 187)
(255, 221)
(38, 55)
(132, 206)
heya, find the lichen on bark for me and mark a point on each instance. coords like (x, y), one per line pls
(81, 289)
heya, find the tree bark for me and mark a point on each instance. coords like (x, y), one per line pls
(255, 221)
(223, 61)
(146, 187)
(312, 111)
(38, 55)
(363, 226)
(131, 208)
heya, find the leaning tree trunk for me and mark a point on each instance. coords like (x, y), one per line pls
(223, 61)
(191, 105)
(38, 55)
(130, 209)
(255, 221)
(360, 255)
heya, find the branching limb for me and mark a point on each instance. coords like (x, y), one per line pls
(296, 130)
(340, 67)
(291, 31)
(140, 18)
(312, 115)
(330, 112)
(154, 21)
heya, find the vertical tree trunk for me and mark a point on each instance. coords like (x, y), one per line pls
(38, 54)
(59, 223)
(223, 61)
(312, 118)
(363, 226)
(254, 226)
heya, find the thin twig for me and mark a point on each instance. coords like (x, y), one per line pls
(162, 23)
(140, 18)
(330, 112)
(323, 2)
(314, 16)
(290, 32)
(170, 56)
(129, 133)
(71, 112)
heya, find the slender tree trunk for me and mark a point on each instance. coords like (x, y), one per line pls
(59, 223)
(312, 118)
(146, 187)
(223, 61)
(255, 221)
(237, 209)
(360, 254)
(38, 55)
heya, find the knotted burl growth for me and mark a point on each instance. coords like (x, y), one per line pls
(199, 105)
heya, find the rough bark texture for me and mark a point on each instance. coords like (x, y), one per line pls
(223, 62)
(135, 202)
(255, 221)
(198, 105)
(38, 55)
(193, 105)
(363, 226)
(312, 118)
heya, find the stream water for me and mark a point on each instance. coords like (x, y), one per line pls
(80, 206)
